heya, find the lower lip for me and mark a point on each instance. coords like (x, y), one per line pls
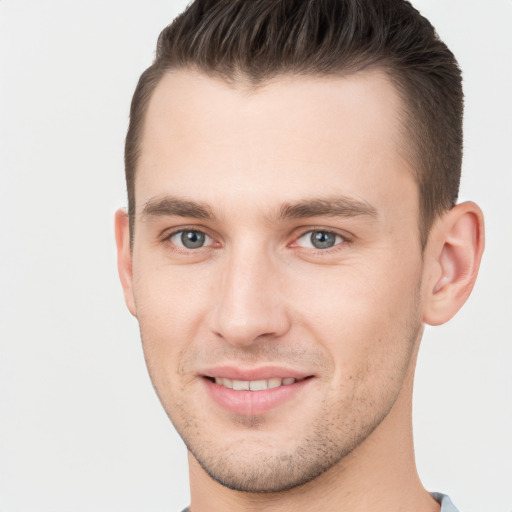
(252, 403)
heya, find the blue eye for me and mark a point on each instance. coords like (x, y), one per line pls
(319, 239)
(190, 239)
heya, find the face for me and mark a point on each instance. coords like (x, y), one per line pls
(276, 270)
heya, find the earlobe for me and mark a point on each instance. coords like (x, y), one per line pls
(124, 258)
(455, 250)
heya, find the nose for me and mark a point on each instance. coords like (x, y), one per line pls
(250, 303)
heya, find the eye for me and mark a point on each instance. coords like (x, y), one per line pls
(190, 239)
(319, 239)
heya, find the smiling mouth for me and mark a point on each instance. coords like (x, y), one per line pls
(255, 385)
(256, 392)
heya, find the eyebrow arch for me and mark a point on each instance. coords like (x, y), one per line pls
(339, 206)
(172, 206)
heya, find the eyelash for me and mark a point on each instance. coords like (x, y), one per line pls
(167, 239)
(341, 240)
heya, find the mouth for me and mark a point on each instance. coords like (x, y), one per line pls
(255, 385)
(254, 392)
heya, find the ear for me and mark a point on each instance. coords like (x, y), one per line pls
(454, 251)
(124, 258)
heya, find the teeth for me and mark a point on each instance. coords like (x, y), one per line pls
(241, 385)
(274, 383)
(254, 385)
(228, 383)
(258, 385)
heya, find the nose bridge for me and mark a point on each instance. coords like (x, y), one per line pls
(249, 302)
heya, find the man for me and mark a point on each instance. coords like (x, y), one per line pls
(292, 170)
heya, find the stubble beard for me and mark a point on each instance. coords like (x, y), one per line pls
(329, 439)
(279, 472)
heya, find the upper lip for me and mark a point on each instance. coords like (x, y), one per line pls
(259, 373)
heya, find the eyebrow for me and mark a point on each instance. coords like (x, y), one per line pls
(339, 206)
(172, 206)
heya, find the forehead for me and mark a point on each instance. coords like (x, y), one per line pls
(292, 136)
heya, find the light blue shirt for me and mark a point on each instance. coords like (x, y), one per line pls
(446, 503)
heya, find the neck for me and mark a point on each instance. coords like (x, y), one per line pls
(378, 476)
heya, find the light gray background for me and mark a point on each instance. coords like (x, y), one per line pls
(80, 427)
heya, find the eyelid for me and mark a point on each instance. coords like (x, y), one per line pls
(167, 235)
(207, 239)
(346, 238)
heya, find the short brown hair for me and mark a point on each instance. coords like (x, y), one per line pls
(255, 40)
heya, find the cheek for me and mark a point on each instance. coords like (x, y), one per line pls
(367, 317)
(170, 307)
(169, 297)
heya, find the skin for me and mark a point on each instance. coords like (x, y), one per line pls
(227, 161)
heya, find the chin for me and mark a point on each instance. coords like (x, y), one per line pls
(265, 474)
(266, 465)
